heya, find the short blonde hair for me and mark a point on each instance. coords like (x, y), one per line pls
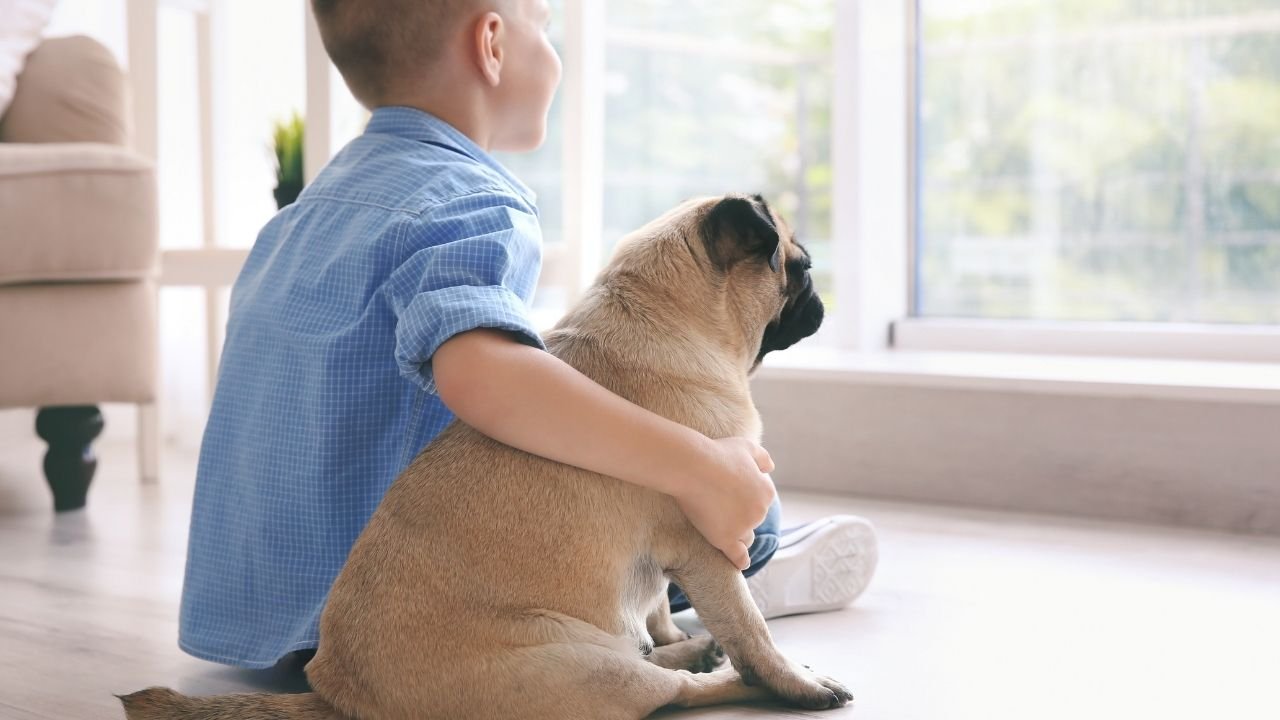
(378, 43)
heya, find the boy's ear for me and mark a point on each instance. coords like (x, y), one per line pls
(741, 228)
(489, 31)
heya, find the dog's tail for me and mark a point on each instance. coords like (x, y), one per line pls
(164, 704)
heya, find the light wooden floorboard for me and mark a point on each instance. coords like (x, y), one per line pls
(972, 614)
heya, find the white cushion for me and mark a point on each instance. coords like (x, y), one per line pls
(20, 30)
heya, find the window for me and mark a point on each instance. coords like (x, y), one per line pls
(1094, 160)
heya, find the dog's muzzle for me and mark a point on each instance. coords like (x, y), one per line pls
(800, 318)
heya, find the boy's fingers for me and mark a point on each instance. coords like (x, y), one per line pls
(763, 460)
(738, 556)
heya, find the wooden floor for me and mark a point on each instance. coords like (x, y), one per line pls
(972, 615)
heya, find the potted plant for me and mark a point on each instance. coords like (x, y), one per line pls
(288, 151)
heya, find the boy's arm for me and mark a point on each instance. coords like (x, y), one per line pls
(531, 400)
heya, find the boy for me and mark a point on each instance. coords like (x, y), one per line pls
(391, 297)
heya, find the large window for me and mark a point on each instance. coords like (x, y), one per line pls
(1099, 160)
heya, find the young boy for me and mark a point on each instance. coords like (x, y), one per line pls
(391, 297)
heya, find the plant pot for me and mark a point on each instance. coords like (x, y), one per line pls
(286, 193)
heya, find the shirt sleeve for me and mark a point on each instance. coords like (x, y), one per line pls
(473, 263)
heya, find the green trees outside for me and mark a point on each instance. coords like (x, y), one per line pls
(1101, 160)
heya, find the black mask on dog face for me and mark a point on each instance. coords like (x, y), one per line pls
(801, 316)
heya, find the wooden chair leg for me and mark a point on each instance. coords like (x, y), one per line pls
(148, 443)
(69, 464)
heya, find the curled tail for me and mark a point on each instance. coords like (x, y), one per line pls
(164, 704)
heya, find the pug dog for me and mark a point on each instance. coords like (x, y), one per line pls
(435, 616)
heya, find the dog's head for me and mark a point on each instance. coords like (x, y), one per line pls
(764, 269)
(726, 270)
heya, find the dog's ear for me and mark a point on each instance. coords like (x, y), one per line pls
(741, 228)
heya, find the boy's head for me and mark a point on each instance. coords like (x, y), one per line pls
(493, 56)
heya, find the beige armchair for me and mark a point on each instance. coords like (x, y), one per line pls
(78, 259)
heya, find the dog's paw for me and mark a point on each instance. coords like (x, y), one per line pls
(668, 635)
(698, 654)
(709, 656)
(805, 689)
(843, 695)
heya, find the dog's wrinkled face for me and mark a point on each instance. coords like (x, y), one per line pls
(746, 239)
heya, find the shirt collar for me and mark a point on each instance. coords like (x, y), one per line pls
(415, 124)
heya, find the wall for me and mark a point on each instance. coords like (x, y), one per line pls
(1199, 463)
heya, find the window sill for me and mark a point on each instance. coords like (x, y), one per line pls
(1253, 383)
(1169, 341)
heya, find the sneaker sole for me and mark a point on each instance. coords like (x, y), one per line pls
(825, 569)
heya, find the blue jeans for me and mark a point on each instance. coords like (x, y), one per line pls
(765, 545)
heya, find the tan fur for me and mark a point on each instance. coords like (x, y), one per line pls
(492, 583)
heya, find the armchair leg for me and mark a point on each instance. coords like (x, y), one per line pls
(70, 462)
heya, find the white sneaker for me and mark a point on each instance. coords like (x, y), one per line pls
(821, 566)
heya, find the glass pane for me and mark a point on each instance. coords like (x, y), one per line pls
(1100, 160)
(710, 97)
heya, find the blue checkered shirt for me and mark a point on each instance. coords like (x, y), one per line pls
(411, 235)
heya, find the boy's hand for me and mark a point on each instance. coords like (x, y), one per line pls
(730, 498)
